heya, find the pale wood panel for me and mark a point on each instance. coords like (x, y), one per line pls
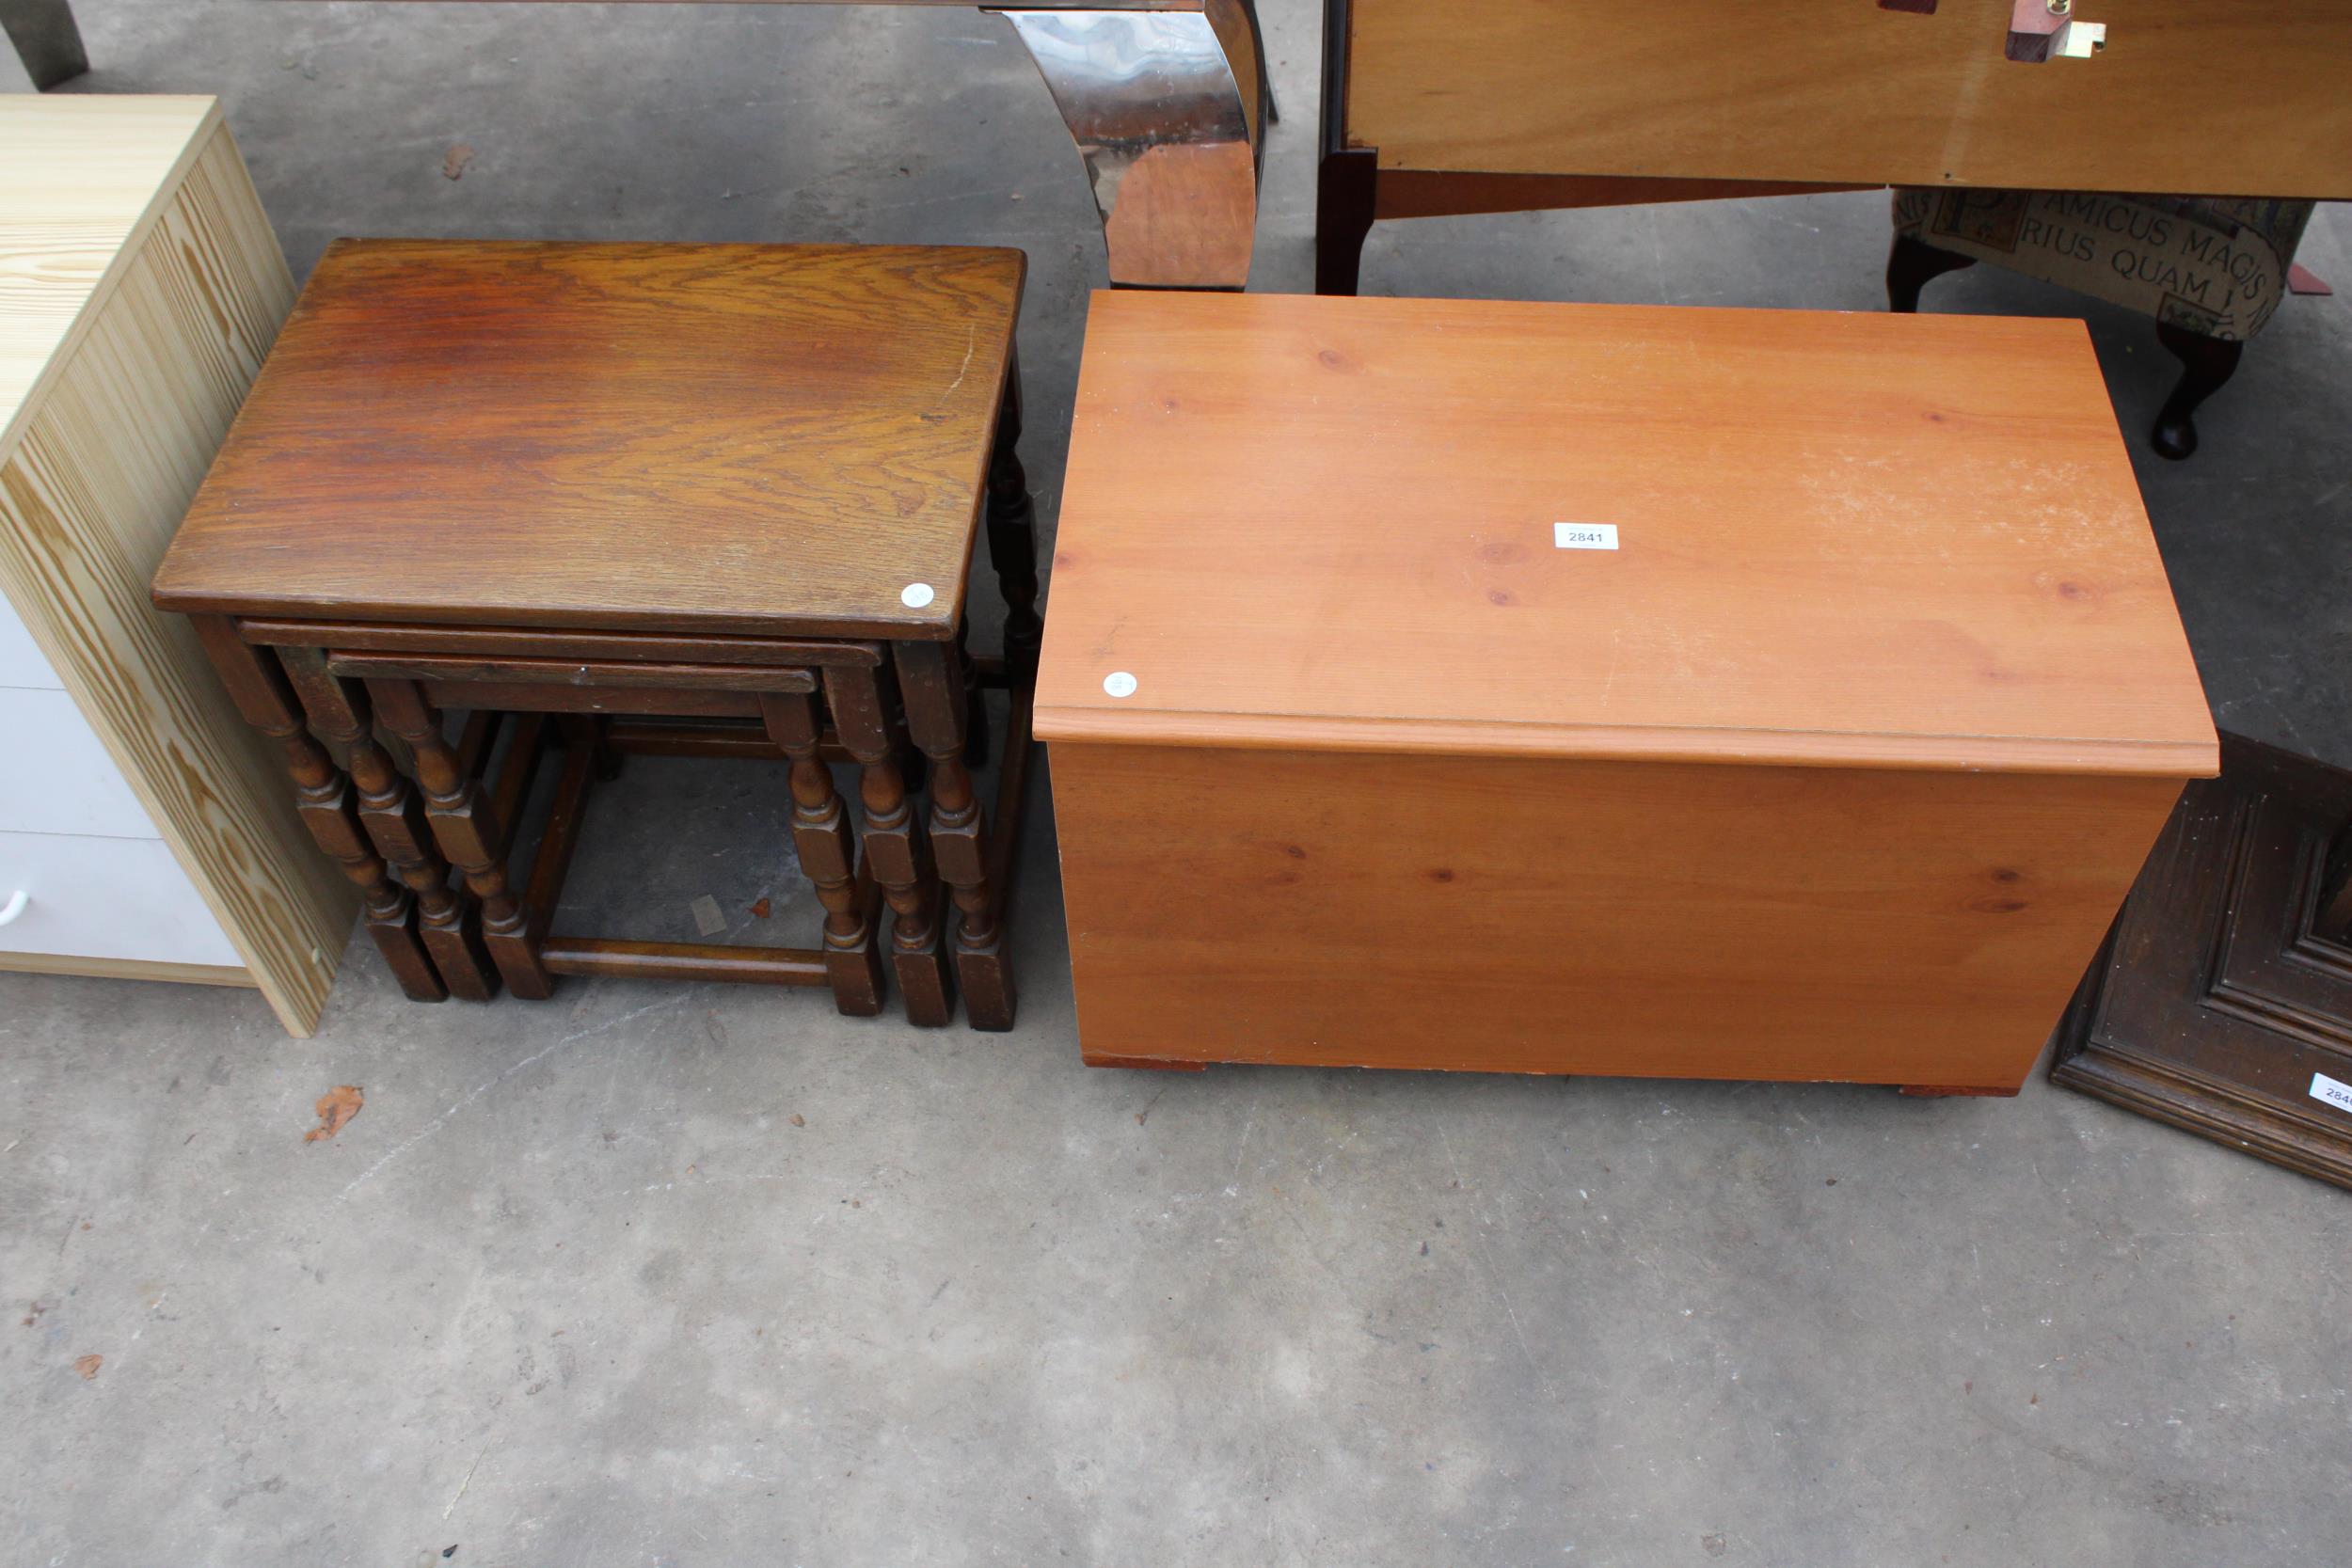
(125, 968)
(78, 183)
(2191, 96)
(1647, 920)
(101, 470)
(1862, 539)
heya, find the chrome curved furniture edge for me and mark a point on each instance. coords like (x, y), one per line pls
(1167, 109)
(1166, 99)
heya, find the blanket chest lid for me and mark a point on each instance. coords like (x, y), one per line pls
(1583, 531)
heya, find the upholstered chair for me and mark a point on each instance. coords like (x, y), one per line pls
(2210, 270)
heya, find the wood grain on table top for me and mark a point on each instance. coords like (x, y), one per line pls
(719, 438)
(1902, 541)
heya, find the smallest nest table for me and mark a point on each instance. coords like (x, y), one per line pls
(715, 500)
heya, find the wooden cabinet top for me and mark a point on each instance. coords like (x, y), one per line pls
(2197, 96)
(80, 180)
(1610, 532)
(712, 438)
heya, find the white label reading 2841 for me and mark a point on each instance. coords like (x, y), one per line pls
(2328, 1089)
(1584, 536)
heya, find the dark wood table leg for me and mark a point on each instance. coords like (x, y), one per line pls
(323, 799)
(828, 856)
(46, 40)
(609, 757)
(1346, 186)
(895, 846)
(1912, 265)
(468, 833)
(1013, 533)
(2206, 363)
(932, 686)
(389, 809)
(1347, 178)
(975, 699)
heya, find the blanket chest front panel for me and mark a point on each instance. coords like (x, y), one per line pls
(1622, 918)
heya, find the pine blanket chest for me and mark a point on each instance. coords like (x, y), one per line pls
(1593, 689)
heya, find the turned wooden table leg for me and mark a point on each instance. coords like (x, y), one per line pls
(828, 856)
(975, 699)
(323, 799)
(389, 809)
(896, 848)
(932, 689)
(1012, 536)
(468, 833)
(609, 758)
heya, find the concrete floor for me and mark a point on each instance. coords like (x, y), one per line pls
(701, 1276)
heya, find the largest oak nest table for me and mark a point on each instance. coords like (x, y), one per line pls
(712, 499)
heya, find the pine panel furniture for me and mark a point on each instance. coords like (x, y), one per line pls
(1507, 105)
(146, 829)
(1578, 688)
(573, 489)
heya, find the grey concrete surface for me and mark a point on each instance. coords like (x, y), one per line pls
(706, 1276)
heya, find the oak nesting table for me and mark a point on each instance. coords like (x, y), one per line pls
(1591, 689)
(716, 500)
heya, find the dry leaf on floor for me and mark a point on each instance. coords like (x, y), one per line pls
(336, 1108)
(454, 165)
(88, 1366)
(762, 908)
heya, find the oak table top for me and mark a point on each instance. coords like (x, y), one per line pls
(1844, 540)
(433, 439)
